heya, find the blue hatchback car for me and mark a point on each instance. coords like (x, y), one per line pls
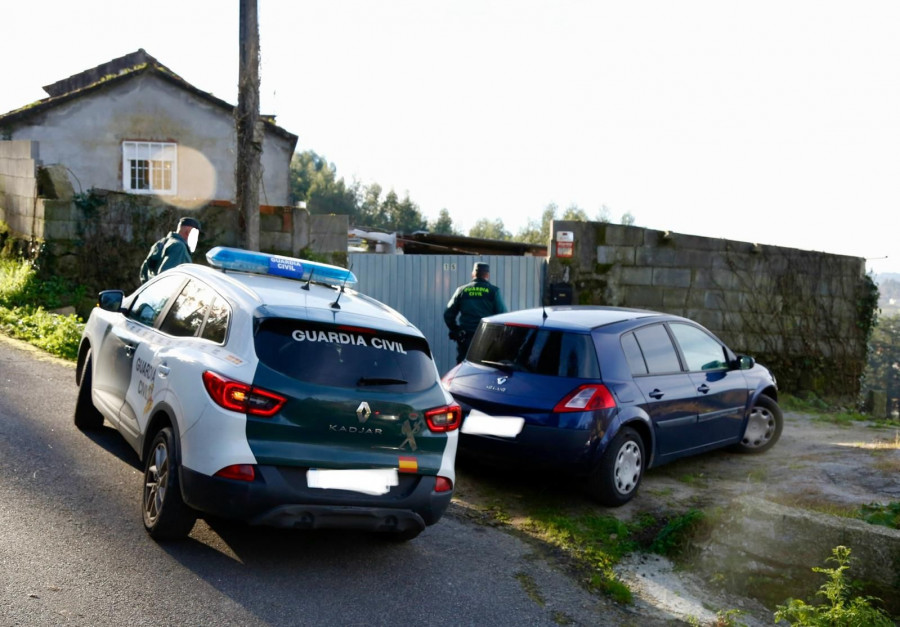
(607, 393)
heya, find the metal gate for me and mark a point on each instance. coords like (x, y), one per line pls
(419, 286)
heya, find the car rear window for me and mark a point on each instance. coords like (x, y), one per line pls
(346, 357)
(540, 351)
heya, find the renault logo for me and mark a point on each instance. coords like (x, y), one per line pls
(501, 380)
(363, 412)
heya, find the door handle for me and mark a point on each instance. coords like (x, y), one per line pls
(162, 370)
(703, 389)
(129, 350)
(656, 393)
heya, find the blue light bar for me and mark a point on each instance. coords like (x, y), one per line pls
(240, 260)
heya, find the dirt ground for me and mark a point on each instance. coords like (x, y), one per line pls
(815, 465)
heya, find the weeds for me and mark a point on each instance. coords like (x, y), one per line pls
(884, 515)
(840, 607)
(24, 301)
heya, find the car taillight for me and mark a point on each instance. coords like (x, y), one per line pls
(443, 484)
(447, 379)
(241, 397)
(586, 398)
(239, 472)
(444, 419)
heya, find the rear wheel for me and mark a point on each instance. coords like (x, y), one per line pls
(87, 418)
(764, 425)
(616, 479)
(166, 517)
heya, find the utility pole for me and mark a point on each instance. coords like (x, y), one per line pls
(248, 126)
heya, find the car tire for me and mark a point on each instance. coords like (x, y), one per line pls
(166, 517)
(764, 424)
(616, 478)
(87, 417)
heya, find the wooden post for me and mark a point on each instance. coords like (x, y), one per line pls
(248, 126)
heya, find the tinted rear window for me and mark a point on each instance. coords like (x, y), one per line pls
(345, 356)
(529, 349)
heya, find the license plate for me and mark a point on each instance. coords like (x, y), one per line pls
(480, 423)
(375, 481)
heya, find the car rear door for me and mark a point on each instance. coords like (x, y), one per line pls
(357, 398)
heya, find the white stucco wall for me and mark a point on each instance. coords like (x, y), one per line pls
(85, 135)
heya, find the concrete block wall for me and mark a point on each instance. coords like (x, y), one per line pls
(786, 307)
(18, 186)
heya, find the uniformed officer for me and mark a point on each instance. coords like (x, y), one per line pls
(470, 303)
(172, 250)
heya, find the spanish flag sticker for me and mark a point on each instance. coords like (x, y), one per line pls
(408, 464)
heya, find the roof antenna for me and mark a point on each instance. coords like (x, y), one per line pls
(544, 308)
(309, 280)
(335, 304)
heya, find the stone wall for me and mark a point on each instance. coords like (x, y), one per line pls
(101, 238)
(18, 184)
(801, 313)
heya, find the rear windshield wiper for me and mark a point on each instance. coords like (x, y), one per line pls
(505, 365)
(380, 381)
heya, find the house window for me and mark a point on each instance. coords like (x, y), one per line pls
(149, 167)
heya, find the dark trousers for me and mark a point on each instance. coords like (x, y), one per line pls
(462, 347)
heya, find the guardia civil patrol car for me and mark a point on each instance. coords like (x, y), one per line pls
(266, 389)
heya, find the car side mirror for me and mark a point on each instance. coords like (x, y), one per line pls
(745, 362)
(111, 300)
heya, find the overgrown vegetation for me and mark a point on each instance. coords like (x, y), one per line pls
(840, 605)
(25, 302)
(887, 515)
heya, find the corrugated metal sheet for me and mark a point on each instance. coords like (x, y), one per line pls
(419, 286)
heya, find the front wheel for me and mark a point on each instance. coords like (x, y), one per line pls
(166, 517)
(87, 418)
(616, 478)
(764, 425)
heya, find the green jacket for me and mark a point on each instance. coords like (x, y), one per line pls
(168, 252)
(472, 302)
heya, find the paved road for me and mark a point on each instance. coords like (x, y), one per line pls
(73, 550)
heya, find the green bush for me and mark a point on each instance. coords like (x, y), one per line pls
(24, 300)
(840, 606)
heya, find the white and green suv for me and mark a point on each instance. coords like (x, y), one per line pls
(264, 389)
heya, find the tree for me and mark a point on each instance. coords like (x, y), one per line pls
(314, 181)
(538, 233)
(443, 225)
(575, 213)
(490, 229)
(884, 358)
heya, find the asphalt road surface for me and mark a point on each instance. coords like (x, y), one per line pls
(73, 550)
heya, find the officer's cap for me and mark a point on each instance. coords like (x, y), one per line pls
(481, 268)
(192, 222)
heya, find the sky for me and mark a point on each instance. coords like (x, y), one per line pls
(775, 122)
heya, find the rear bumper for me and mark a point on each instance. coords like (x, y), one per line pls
(280, 497)
(551, 447)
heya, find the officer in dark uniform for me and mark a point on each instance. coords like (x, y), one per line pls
(172, 250)
(470, 303)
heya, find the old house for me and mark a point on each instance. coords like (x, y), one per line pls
(116, 153)
(134, 125)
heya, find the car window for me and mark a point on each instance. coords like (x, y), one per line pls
(189, 311)
(540, 351)
(216, 326)
(347, 357)
(657, 348)
(633, 354)
(701, 351)
(153, 299)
